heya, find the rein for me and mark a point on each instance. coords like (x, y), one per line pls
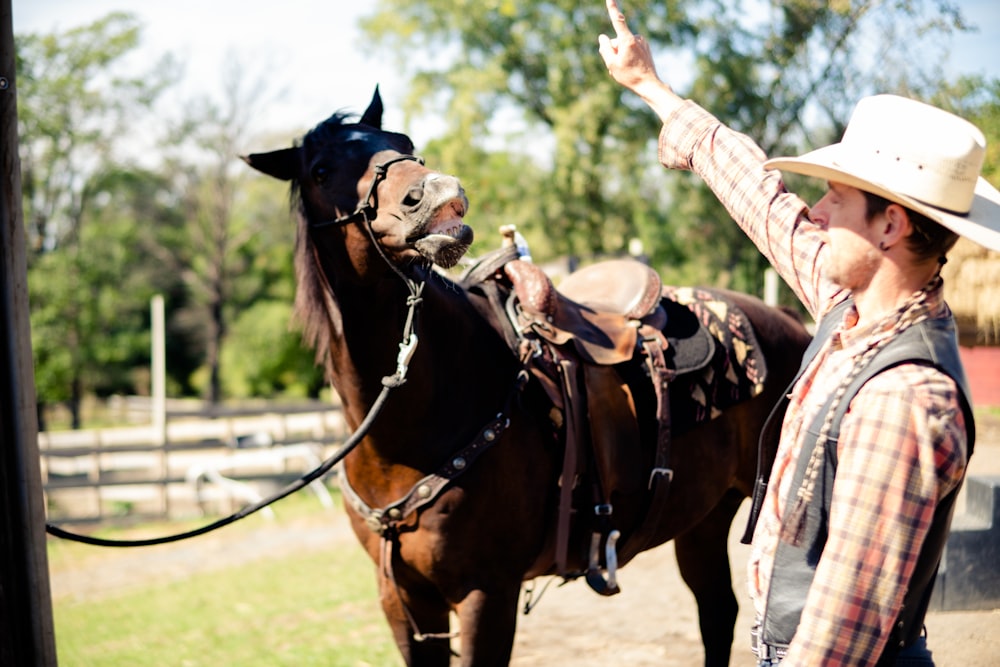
(366, 210)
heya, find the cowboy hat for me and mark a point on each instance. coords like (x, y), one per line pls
(916, 155)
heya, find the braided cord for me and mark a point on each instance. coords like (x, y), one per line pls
(915, 310)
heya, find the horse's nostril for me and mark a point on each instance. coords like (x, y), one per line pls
(413, 196)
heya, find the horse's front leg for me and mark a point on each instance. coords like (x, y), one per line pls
(703, 560)
(487, 620)
(419, 624)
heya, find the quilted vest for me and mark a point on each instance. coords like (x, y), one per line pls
(931, 342)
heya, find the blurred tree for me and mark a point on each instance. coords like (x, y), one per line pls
(518, 78)
(77, 107)
(972, 274)
(226, 255)
(526, 78)
(265, 359)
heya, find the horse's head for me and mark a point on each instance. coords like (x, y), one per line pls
(356, 174)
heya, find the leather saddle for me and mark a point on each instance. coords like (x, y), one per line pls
(578, 340)
(602, 307)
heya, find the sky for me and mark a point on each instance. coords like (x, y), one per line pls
(313, 47)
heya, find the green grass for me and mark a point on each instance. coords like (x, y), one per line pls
(314, 607)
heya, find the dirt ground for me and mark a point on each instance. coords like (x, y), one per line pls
(652, 622)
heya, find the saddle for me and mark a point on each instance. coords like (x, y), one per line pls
(595, 345)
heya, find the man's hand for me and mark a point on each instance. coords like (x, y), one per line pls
(630, 63)
(626, 55)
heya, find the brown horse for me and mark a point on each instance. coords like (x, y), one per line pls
(463, 459)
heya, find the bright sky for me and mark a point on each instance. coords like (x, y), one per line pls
(313, 49)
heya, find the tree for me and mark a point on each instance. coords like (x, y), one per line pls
(76, 111)
(777, 71)
(225, 257)
(75, 108)
(518, 75)
(972, 274)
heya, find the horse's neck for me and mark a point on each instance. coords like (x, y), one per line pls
(367, 323)
(455, 373)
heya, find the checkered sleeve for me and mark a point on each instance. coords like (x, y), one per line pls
(897, 458)
(775, 220)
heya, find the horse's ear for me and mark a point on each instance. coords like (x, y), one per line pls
(282, 164)
(373, 114)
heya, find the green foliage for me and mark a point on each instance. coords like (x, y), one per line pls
(978, 101)
(106, 235)
(90, 300)
(264, 358)
(77, 103)
(226, 254)
(518, 79)
(538, 132)
(526, 79)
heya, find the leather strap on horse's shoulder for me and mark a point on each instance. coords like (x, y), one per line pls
(661, 475)
(430, 487)
(572, 459)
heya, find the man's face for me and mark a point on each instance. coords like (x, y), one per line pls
(854, 253)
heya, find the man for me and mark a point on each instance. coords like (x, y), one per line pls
(877, 429)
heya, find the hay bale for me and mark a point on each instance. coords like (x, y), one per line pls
(972, 289)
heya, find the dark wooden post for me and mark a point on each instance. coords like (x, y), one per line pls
(27, 638)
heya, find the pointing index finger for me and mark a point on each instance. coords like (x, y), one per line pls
(618, 19)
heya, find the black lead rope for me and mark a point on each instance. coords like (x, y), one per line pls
(315, 474)
(390, 382)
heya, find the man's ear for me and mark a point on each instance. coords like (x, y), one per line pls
(896, 225)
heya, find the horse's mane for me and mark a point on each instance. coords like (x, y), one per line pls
(310, 311)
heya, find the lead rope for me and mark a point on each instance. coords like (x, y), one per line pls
(793, 526)
(390, 382)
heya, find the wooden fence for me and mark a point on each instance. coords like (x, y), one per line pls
(204, 463)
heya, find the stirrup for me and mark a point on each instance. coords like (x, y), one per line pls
(595, 579)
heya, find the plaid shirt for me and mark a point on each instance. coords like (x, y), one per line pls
(902, 444)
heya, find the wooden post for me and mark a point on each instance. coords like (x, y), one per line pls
(27, 637)
(771, 287)
(158, 394)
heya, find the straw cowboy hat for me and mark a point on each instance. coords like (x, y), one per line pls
(916, 155)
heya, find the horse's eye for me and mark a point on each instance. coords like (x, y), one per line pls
(320, 174)
(413, 196)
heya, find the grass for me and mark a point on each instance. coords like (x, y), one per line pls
(307, 607)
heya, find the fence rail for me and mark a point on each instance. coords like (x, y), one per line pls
(129, 473)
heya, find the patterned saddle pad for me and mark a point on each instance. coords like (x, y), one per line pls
(736, 370)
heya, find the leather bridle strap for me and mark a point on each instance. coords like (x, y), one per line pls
(368, 206)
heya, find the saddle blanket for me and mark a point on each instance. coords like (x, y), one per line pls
(736, 371)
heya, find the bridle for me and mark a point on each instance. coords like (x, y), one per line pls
(367, 211)
(367, 208)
